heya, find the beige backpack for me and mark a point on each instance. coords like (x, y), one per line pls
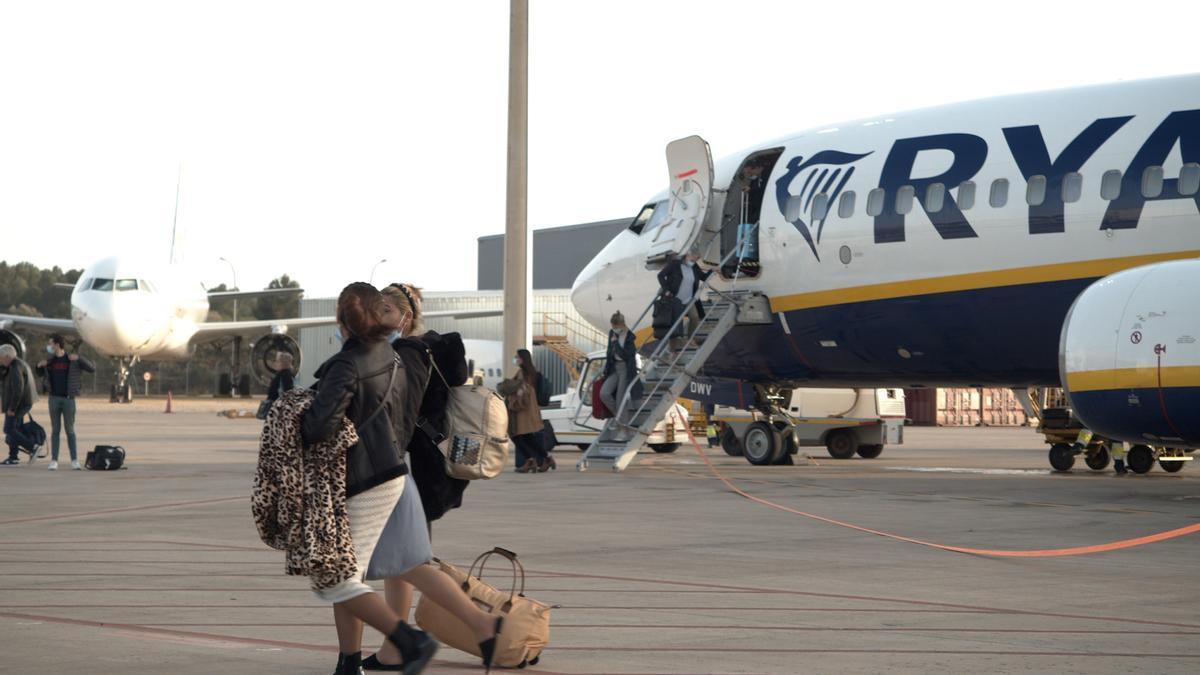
(475, 444)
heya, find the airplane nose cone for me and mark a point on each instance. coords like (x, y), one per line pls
(585, 296)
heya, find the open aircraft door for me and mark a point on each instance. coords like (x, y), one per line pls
(691, 170)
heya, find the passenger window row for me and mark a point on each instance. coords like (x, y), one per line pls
(1035, 192)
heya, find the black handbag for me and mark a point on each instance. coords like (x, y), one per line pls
(34, 432)
(666, 312)
(105, 458)
(264, 407)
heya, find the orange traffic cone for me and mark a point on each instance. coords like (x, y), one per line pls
(168, 410)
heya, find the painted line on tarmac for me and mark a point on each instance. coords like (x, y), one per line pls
(997, 553)
(901, 601)
(944, 652)
(127, 509)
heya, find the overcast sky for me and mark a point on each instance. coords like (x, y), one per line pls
(318, 137)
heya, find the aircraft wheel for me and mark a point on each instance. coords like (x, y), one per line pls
(243, 386)
(730, 443)
(762, 445)
(112, 394)
(1062, 457)
(789, 446)
(1098, 460)
(1168, 465)
(583, 446)
(1140, 458)
(870, 451)
(664, 448)
(841, 444)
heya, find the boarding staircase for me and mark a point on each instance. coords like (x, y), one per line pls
(562, 334)
(668, 371)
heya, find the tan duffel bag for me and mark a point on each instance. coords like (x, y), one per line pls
(526, 628)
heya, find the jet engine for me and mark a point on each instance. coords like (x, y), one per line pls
(262, 355)
(1129, 356)
(8, 337)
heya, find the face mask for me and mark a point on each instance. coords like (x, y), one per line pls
(337, 335)
(516, 362)
(49, 349)
(396, 335)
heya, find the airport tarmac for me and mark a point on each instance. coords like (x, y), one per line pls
(158, 568)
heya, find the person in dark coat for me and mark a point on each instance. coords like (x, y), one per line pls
(404, 546)
(680, 279)
(620, 364)
(62, 375)
(365, 383)
(285, 376)
(16, 399)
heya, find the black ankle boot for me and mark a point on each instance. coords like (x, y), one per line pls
(416, 647)
(349, 664)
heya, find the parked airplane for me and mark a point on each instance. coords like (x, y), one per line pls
(945, 247)
(132, 311)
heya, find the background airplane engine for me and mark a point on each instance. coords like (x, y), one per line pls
(8, 337)
(1129, 355)
(262, 355)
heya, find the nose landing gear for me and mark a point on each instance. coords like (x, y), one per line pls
(122, 391)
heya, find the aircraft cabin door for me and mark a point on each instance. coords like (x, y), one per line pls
(691, 171)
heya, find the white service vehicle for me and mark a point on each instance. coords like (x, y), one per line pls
(845, 421)
(570, 414)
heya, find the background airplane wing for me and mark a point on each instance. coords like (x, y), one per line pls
(247, 295)
(253, 329)
(38, 324)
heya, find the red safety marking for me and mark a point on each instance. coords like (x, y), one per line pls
(1043, 553)
(689, 172)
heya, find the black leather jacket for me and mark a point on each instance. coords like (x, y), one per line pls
(439, 492)
(17, 392)
(353, 382)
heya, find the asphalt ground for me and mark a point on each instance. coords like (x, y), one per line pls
(158, 569)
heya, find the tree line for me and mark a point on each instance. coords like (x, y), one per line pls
(27, 290)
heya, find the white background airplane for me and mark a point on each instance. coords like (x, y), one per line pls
(945, 247)
(133, 310)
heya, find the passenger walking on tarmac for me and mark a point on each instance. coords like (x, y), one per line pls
(63, 376)
(620, 364)
(680, 279)
(361, 381)
(16, 398)
(285, 376)
(524, 416)
(404, 550)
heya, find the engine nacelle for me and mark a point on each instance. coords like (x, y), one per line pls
(8, 337)
(262, 355)
(1130, 355)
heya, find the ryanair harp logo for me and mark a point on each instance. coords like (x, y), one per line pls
(826, 172)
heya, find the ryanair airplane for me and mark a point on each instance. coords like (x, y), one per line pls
(1027, 240)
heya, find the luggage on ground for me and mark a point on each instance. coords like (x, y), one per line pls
(526, 629)
(105, 458)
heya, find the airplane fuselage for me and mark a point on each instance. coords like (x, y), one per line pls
(124, 310)
(945, 246)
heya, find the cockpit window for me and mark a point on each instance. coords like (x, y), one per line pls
(649, 218)
(145, 286)
(127, 284)
(102, 285)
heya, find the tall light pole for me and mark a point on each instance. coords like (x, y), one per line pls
(372, 279)
(235, 285)
(516, 230)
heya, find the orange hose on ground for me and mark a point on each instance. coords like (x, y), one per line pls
(1043, 553)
